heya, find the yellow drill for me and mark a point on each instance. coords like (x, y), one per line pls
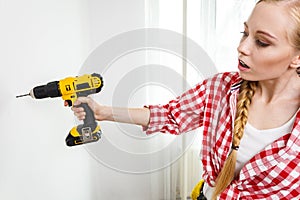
(70, 89)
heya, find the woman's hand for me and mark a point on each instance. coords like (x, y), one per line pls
(100, 112)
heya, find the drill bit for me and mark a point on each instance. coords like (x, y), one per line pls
(23, 95)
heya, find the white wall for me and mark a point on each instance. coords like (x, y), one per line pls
(42, 41)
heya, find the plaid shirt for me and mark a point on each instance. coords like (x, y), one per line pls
(274, 173)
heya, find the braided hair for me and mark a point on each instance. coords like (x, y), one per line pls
(226, 175)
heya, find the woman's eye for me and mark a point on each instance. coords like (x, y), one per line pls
(258, 42)
(245, 34)
(261, 44)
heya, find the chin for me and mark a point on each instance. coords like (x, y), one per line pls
(247, 77)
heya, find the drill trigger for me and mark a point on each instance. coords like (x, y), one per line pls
(68, 103)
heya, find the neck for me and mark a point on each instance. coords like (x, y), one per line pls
(287, 86)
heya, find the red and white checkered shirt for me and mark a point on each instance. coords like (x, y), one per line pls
(274, 173)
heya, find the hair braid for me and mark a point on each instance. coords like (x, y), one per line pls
(226, 175)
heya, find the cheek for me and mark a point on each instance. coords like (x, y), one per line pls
(274, 60)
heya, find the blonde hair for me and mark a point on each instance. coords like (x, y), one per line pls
(247, 90)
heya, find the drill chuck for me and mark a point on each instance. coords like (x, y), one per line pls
(51, 89)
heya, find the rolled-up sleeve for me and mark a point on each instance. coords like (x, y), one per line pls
(180, 115)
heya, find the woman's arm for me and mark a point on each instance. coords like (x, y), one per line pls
(138, 116)
(182, 114)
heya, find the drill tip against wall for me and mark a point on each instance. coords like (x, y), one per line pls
(22, 95)
(70, 89)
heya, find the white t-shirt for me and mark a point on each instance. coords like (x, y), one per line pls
(252, 143)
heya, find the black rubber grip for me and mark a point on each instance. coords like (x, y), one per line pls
(89, 120)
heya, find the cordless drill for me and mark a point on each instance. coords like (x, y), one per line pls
(70, 89)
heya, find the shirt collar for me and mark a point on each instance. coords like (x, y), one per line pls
(236, 84)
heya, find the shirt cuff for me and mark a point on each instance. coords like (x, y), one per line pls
(157, 119)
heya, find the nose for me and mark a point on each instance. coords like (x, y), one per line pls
(244, 47)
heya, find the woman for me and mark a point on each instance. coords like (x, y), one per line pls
(251, 118)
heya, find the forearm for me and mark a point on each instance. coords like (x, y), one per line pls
(138, 116)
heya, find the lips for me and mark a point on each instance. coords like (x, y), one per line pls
(244, 65)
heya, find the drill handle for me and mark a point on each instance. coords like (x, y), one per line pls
(89, 117)
(87, 132)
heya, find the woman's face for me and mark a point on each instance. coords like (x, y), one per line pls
(265, 52)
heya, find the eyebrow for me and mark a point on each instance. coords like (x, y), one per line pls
(262, 32)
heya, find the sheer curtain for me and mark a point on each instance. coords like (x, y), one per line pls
(215, 26)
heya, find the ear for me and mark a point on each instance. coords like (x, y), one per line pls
(295, 62)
